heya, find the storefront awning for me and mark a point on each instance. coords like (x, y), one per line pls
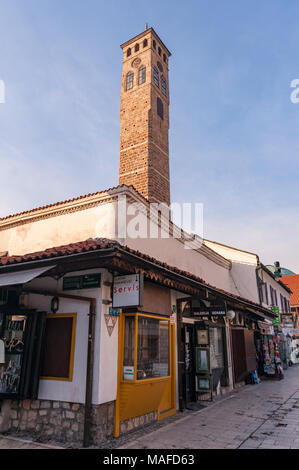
(22, 277)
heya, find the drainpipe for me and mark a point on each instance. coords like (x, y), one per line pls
(89, 373)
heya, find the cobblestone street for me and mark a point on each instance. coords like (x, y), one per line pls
(263, 416)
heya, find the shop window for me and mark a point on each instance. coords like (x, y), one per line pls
(129, 348)
(129, 80)
(59, 343)
(152, 343)
(141, 75)
(152, 348)
(216, 347)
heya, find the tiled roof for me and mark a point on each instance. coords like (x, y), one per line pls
(293, 283)
(75, 199)
(101, 244)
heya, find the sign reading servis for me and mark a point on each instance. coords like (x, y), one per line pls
(127, 290)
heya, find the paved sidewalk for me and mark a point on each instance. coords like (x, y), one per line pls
(263, 416)
(9, 442)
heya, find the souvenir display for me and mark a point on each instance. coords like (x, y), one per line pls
(271, 355)
(11, 353)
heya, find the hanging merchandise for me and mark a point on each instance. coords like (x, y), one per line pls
(272, 362)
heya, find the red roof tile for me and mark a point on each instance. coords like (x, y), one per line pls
(104, 243)
(292, 282)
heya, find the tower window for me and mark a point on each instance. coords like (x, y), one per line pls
(129, 81)
(154, 44)
(163, 86)
(136, 47)
(145, 43)
(141, 75)
(164, 58)
(160, 108)
(156, 76)
(160, 66)
(159, 50)
(129, 51)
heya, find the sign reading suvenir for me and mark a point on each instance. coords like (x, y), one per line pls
(127, 290)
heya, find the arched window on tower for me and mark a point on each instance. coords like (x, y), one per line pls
(163, 86)
(145, 43)
(154, 44)
(156, 76)
(141, 75)
(160, 108)
(129, 52)
(129, 80)
(136, 47)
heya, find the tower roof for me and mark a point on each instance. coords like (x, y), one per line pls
(135, 38)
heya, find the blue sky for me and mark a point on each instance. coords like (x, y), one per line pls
(234, 140)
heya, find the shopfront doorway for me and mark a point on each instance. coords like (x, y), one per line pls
(189, 344)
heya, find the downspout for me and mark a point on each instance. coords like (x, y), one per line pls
(89, 373)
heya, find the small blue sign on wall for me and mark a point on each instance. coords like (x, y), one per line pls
(115, 312)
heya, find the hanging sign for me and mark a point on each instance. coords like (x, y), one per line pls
(276, 320)
(85, 281)
(214, 310)
(127, 290)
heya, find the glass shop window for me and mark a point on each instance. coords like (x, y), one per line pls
(152, 348)
(129, 348)
(216, 347)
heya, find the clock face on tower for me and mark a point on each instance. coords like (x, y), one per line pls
(136, 62)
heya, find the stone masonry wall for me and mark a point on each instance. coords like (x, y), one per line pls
(47, 420)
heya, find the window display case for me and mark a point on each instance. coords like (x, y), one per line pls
(20, 351)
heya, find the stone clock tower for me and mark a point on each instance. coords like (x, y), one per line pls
(144, 117)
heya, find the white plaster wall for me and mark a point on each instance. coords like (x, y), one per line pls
(244, 278)
(105, 348)
(59, 230)
(279, 290)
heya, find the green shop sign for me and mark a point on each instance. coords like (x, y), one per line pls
(86, 281)
(276, 320)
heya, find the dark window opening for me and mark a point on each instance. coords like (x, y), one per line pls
(163, 86)
(145, 43)
(129, 52)
(129, 81)
(154, 44)
(164, 57)
(136, 47)
(141, 75)
(159, 50)
(156, 76)
(160, 108)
